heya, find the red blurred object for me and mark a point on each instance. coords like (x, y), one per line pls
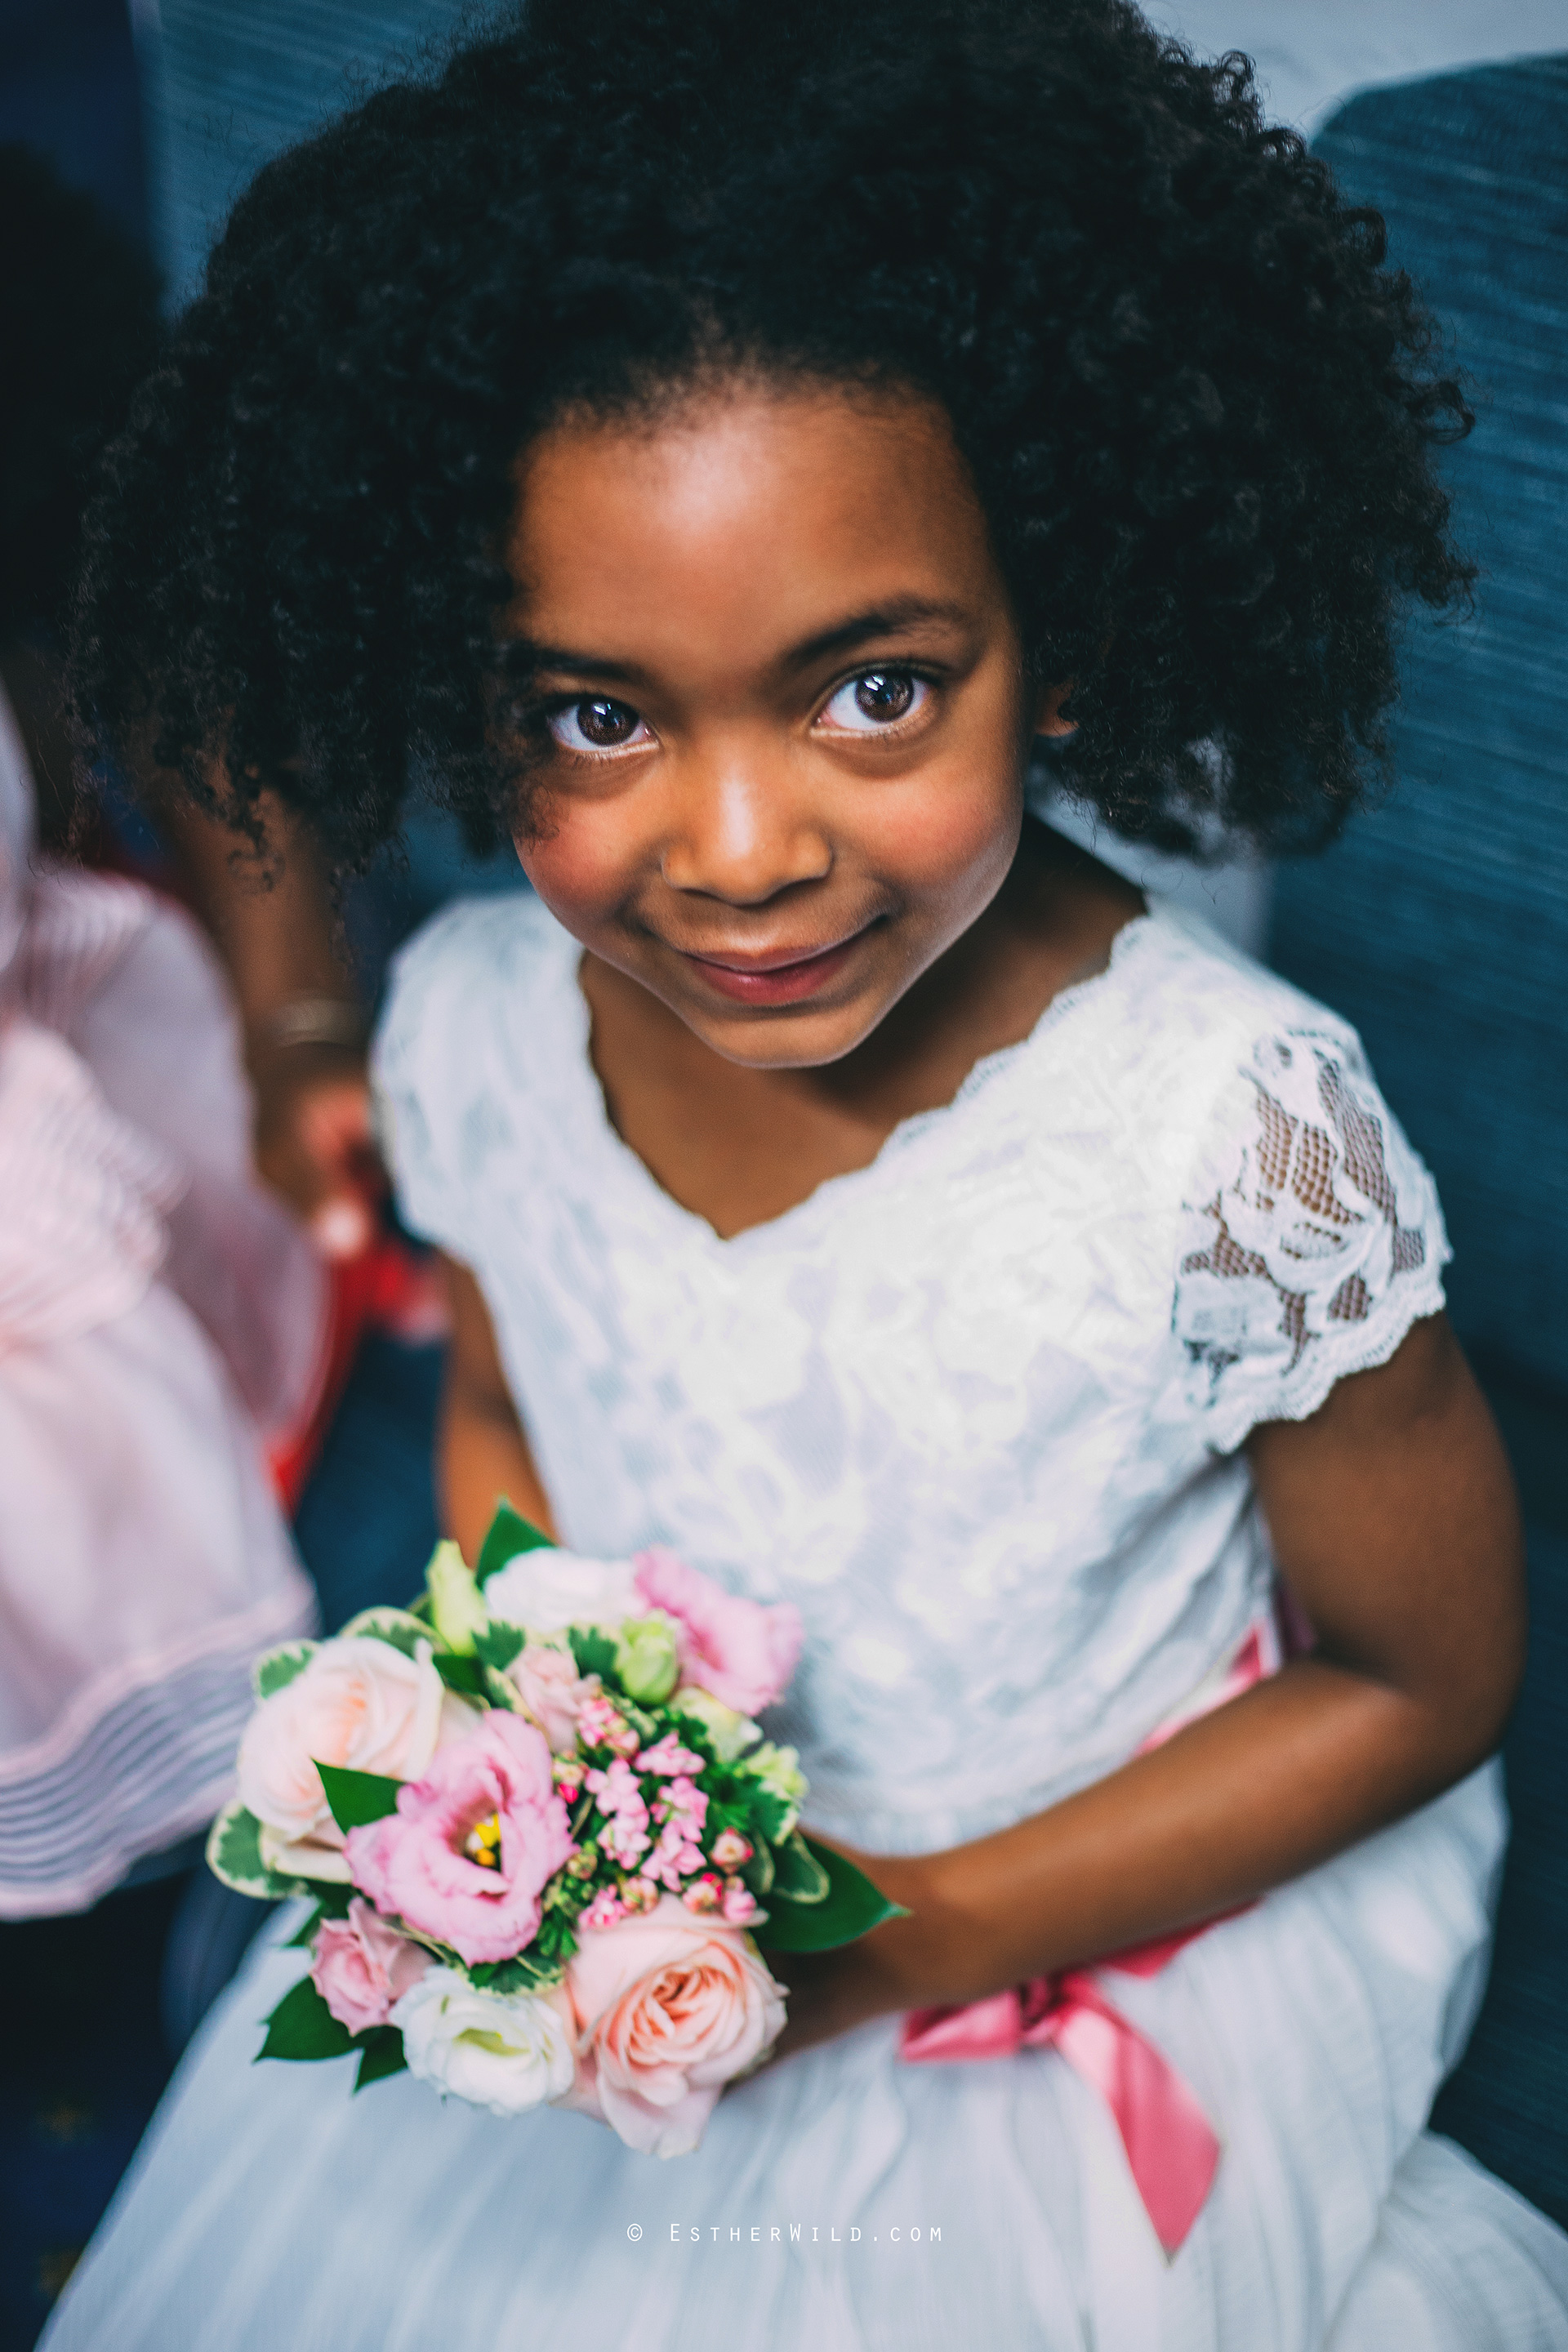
(388, 1286)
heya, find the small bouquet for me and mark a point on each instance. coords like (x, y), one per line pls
(542, 1834)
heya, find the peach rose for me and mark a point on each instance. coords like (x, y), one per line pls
(360, 1703)
(670, 2008)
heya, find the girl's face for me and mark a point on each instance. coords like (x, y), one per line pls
(782, 714)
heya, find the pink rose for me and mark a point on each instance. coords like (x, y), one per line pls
(465, 1856)
(357, 1702)
(742, 1650)
(361, 1966)
(552, 1692)
(670, 2008)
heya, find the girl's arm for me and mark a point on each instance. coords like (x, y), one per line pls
(1393, 1520)
(482, 1451)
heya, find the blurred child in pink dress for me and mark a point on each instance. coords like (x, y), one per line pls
(160, 1315)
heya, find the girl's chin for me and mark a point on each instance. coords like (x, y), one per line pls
(787, 1037)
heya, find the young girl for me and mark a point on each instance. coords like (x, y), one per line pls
(727, 441)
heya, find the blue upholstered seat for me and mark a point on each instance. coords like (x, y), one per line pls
(1440, 925)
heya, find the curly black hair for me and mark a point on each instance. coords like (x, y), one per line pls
(80, 306)
(1199, 412)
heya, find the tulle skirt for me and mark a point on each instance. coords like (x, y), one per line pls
(846, 2202)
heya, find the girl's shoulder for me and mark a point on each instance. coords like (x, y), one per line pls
(482, 1010)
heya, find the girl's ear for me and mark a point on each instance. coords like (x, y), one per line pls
(1048, 719)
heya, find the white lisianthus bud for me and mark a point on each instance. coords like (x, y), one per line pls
(457, 1607)
(507, 2052)
(648, 1665)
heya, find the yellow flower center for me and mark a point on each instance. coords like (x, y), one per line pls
(482, 1843)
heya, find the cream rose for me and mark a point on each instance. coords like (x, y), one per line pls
(670, 2008)
(507, 2052)
(359, 1703)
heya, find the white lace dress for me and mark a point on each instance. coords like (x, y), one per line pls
(976, 1409)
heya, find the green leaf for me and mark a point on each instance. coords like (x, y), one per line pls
(798, 1873)
(772, 1811)
(234, 1854)
(593, 1651)
(498, 1645)
(556, 1938)
(758, 1872)
(464, 1674)
(381, 2055)
(277, 1669)
(302, 2026)
(851, 1907)
(357, 1798)
(399, 1628)
(526, 1973)
(508, 1534)
(501, 1692)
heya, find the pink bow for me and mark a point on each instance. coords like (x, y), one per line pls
(1172, 2148)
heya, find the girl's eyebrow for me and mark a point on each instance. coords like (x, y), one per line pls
(879, 621)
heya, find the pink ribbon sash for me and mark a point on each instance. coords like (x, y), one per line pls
(1173, 2149)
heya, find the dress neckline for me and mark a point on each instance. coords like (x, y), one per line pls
(593, 1111)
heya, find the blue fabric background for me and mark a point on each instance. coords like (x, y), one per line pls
(1440, 925)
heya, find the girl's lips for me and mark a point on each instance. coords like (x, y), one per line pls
(770, 982)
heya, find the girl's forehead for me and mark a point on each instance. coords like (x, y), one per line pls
(750, 511)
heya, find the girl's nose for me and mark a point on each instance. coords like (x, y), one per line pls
(741, 835)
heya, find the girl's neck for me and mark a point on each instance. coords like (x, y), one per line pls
(740, 1147)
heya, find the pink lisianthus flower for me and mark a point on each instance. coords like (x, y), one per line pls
(742, 1651)
(361, 1966)
(471, 1846)
(670, 2008)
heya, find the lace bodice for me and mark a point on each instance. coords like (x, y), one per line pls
(975, 1408)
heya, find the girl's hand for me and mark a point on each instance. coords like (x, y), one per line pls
(912, 1963)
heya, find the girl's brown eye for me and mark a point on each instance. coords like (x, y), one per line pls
(884, 694)
(878, 699)
(598, 723)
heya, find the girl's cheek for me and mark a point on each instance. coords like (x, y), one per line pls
(582, 869)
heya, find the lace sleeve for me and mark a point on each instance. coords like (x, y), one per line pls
(1311, 1237)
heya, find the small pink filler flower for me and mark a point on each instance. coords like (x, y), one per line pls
(361, 1966)
(465, 1856)
(744, 1651)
